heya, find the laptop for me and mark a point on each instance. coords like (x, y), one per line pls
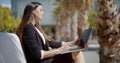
(85, 38)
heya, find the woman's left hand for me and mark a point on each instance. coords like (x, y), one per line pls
(70, 43)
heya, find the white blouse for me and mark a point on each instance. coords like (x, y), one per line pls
(43, 38)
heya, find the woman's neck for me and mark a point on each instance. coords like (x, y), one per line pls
(33, 21)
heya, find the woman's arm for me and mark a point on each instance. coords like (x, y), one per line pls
(69, 43)
(54, 44)
(55, 51)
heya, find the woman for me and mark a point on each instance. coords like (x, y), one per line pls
(36, 43)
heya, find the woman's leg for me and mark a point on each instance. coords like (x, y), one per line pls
(78, 57)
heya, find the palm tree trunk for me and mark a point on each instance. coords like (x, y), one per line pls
(63, 30)
(74, 25)
(68, 30)
(75, 21)
(82, 22)
(58, 28)
(108, 31)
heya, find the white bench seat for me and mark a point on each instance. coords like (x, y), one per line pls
(10, 49)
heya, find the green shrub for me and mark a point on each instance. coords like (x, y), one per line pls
(7, 22)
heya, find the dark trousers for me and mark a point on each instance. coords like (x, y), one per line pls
(61, 58)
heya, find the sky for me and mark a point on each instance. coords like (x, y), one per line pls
(6, 3)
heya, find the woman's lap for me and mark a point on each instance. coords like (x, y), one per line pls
(63, 58)
(60, 58)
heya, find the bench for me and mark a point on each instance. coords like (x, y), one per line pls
(10, 49)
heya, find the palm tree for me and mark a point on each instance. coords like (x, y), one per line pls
(86, 5)
(108, 31)
(71, 16)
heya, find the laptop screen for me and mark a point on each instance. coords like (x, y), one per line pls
(86, 35)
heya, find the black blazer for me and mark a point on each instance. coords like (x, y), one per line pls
(33, 44)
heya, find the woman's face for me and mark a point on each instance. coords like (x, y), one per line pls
(38, 12)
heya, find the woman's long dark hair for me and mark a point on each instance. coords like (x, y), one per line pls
(27, 18)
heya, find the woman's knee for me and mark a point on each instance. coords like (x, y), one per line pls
(78, 57)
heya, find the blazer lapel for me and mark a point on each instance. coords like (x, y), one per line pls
(40, 40)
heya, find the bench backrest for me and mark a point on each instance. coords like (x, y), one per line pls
(10, 49)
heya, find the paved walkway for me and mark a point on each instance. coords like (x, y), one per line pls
(92, 55)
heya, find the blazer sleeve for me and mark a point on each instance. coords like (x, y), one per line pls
(29, 39)
(55, 44)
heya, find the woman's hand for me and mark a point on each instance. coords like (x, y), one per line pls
(55, 51)
(64, 48)
(69, 43)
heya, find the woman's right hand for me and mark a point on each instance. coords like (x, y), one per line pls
(63, 48)
(55, 51)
